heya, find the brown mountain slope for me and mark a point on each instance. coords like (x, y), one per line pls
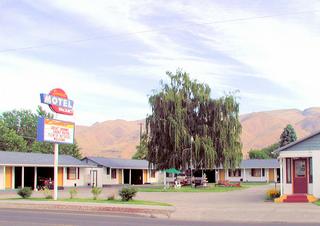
(118, 138)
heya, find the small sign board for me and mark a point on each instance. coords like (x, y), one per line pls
(55, 131)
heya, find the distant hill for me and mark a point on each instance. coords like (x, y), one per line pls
(118, 138)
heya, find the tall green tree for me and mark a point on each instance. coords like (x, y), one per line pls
(24, 124)
(142, 148)
(287, 136)
(264, 153)
(10, 140)
(187, 128)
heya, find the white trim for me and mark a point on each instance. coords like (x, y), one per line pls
(4, 177)
(13, 177)
(281, 176)
(35, 179)
(22, 177)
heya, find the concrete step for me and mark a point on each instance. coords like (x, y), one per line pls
(296, 198)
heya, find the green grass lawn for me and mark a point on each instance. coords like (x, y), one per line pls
(115, 201)
(317, 203)
(209, 188)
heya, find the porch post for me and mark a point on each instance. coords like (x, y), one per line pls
(22, 177)
(13, 176)
(130, 177)
(281, 176)
(244, 174)
(261, 174)
(4, 177)
(35, 179)
(122, 177)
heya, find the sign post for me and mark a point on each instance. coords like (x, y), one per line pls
(56, 131)
(55, 165)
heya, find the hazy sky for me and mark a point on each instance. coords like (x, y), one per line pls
(109, 55)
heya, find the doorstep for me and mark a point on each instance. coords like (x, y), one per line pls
(296, 198)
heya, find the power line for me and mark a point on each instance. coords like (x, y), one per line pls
(154, 30)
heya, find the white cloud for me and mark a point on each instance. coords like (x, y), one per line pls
(283, 50)
(24, 79)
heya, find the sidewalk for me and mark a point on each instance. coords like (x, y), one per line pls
(245, 205)
(153, 211)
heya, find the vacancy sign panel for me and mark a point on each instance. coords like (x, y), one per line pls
(55, 131)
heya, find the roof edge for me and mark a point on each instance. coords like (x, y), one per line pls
(297, 142)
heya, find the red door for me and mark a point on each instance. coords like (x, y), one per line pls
(300, 179)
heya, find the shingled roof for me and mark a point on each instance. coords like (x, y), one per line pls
(119, 163)
(259, 163)
(37, 159)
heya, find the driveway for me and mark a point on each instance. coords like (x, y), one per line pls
(246, 205)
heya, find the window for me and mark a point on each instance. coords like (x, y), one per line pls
(152, 173)
(310, 171)
(71, 173)
(300, 168)
(108, 171)
(113, 173)
(78, 170)
(256, 172)
(263, 172)
(234, 173)
(288, 170)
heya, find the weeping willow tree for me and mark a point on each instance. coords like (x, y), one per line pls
(187, 128)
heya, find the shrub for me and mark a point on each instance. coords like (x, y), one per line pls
(25, 192)
(73, 192)
(47, 193)
(271, 194)
(111, 197)
(96, 192)
(127, 193)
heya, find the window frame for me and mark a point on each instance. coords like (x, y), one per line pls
(113, 173)
(310, 170)
(234, 173)
(288, 171)
(152, 173)
(256, 172)
(72, 175)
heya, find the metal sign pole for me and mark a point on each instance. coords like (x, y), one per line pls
(56, 157)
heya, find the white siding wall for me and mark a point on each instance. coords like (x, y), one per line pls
(79, 182)
(156, 179)
(246, 176)
(316, 174)
(313, 188)
(2, 179)
(107, 180)
(100, 175)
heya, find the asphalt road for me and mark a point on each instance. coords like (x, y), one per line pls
(20, 217)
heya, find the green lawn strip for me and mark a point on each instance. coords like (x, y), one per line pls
(252, 184)
(115, 201)
(190, 189)
(210, 188)
(317, 203)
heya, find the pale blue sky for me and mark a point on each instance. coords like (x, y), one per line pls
(109, 55)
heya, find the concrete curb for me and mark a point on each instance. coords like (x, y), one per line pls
(151, 211)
